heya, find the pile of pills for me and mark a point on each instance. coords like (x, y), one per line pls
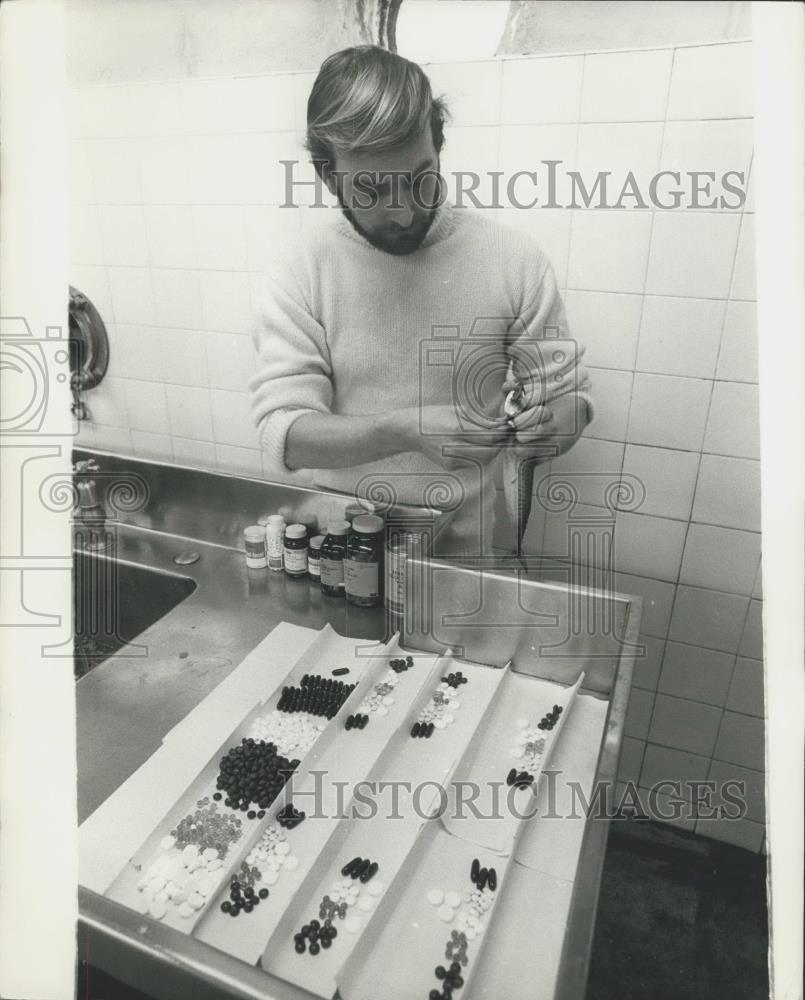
(316, 695)
(380, 697)
(289, 816)
(271, 854)
(293, 734)
(253, 771)
(206, 828)
(356, 721)
(183, 878)
(243, 893)
(439, 712)
(345, 892)
(529, 746)
(451, 978)
(400, 665)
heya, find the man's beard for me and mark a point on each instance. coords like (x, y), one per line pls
(393, 239)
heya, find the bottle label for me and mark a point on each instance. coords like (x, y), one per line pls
(274, 544)
(314, 567)
(255, 549)
(362, 579)
(296, 560)
(332, 572)
(395, 579)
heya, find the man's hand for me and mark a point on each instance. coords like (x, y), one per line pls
(437, 433)
(550, 430)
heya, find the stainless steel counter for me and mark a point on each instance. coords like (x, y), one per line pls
(127, 704)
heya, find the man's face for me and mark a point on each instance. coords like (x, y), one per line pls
(390, 197)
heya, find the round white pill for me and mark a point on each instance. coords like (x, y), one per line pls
(439, 723)
(375, 888)
(353, 924)
(446, 913)
(283, 848)
(167, 843)
(366, 903)
(196, 900)
(270, 877)
(448, 718)
(157, 910)
(471, 933)
(516, 752)
(435, 897)
(142, 904)
(453, 899)
(382, 710)
(290, 863)
(522, 723)
(388, 700)
(210, 854)
(186, 910)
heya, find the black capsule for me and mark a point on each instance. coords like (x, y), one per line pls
(492, 879)
(370, 872)
(483, 874)
(511, 777)
(340, 671)
(361, 869)
(415, 729)
(474, 869)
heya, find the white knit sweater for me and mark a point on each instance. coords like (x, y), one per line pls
(345, 328)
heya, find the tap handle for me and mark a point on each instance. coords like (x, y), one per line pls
(86, 466)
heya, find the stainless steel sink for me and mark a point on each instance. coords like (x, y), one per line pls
(114, 602)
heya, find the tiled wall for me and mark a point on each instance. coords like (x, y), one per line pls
(175, 196)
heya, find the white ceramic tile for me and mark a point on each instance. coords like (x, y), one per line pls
(668, 412)
(472, 90)
(541, 90)
(164, 355)
(80, 179)
(107, 402)
(752, 638)
(132, 295)
(220, 237)
(647, 665)
(728, 493)
(638, 713)
(176, 298)
(631, 759)
(684, 725)
(473, 150)
(123, 233)
(611, 392)
(607, 324)
(267, 226)
(243, 169)
(196, 454)
(169, 230)
(103, 112)
(733, 426)
(115, 171)
(226, 301)
(741, 740)
(231, 360)
(608, 251)
(746, 694)
(155, 109)
(709, 147)
(757, 590)
(745, 785)
(526, 148)
(712, 81)
(591, 467)
(738, 832)
(86, 245)
(550, 228)
(232, 419)
(626, 86)
(737, 359)
(156, 447)
(666, 764)
(147, 408)
(743, 278)
(591, 524)
(239, 461)
(189, 412)
(302, 86)
(692, 254)
(239, 104)
(649, 546)
(680, 336)
(117, 440)
(721, 558)
(696, 673)
(708, 618)
(165, 166)
(619, 150)
(658, 598)
(94, 282)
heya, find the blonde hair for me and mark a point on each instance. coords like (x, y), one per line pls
(366, 98)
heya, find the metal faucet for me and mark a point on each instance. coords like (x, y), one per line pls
(89, 511)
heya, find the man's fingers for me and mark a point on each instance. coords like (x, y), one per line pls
(531, 417)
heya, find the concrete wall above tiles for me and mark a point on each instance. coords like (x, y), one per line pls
(174, 204)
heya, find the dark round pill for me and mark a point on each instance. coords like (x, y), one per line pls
(440, 972)
(263, 894)
(314, 948)
(300, 947)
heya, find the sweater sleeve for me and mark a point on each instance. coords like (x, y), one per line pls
(294, 374)
(545, 357)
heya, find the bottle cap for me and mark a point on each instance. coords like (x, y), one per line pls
(255, 533)
(316, 541)
(296, 531)
(368, 524)
(338, 527)
(275, 519)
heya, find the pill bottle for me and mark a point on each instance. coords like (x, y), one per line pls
(332, 559)
(294, 551)
(358, 509)
(254, 541)
(275, 540)
(363, 580)
(400, 545)
(314, 556)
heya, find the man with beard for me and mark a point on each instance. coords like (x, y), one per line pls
(388, 334)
